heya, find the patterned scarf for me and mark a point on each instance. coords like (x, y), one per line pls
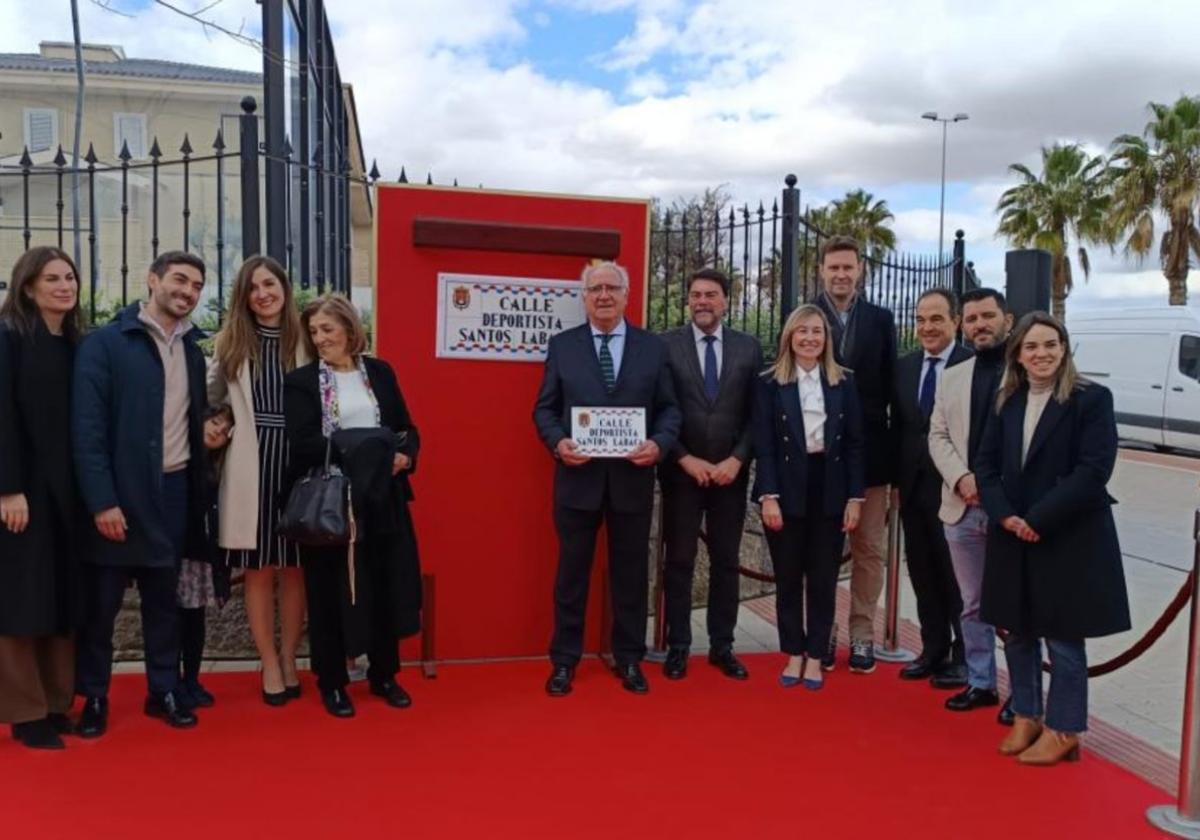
(330, 412)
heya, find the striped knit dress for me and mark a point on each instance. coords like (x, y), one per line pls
(267, 379)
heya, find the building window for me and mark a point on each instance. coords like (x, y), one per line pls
(41, 129)
(130, 129)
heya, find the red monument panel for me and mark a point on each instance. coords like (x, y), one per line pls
(483, 488)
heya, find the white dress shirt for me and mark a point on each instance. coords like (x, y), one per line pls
(937, 371)
(812, 404)
(702, 346)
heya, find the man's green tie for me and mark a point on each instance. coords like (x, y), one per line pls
(606, 363)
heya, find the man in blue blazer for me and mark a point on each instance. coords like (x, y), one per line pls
(605, 362)
(137, 432)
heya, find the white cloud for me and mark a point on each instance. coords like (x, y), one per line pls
(830, 92)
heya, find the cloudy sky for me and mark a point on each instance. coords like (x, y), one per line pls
(665, 97)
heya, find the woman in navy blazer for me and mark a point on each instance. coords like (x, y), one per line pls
(810, 472)
(1053, 569)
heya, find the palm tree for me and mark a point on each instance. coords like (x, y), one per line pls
(1068, 199)
(860, 215)
(1163, 176)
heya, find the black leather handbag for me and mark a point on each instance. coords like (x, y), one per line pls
(319, 512)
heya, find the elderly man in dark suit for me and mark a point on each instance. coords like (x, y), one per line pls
(919, 483)
(605, 362)
(704, 477)
(864, 340)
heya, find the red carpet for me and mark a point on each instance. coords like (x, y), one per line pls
(484, 753)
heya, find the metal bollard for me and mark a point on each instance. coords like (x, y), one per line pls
(891, 650)
(1183, 818)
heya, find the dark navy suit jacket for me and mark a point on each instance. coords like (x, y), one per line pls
(573, 377)
(781, 457)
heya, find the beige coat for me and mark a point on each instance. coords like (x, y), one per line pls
(949, 429)
(237, 498)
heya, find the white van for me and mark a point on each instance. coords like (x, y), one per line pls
(1150, 359)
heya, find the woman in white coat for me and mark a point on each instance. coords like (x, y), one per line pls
(259, 343)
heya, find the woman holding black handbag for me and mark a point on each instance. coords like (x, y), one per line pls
(365, 596)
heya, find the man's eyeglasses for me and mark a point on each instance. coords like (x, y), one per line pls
(603, 289)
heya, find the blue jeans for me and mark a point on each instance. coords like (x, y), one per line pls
(967, 540)
(1066, 705)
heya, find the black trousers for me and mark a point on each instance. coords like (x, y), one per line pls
(628, 574)
(723, 511)
(324, 585)
(104, 592)
(806, 554)
(939, 603)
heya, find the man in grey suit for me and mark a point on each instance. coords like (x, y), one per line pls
(704, 477)
(964, 401)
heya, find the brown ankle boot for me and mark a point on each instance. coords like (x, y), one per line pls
(1051, 748)
(1024, 732)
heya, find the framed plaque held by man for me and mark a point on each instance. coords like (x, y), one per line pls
(607, 431)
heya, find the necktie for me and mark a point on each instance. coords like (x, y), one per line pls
(606, 363)
(710, 368)
(928, 387)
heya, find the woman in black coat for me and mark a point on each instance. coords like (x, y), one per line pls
(40, 324)
(1053, 569)
(365, 601)
(809, 478)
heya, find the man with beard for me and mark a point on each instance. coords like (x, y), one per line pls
(137, 429)
(964, 401)
(705, 475)
(864, 340)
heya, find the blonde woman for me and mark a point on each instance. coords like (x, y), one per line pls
(1053, 572)
(259, 344)
(810, 472)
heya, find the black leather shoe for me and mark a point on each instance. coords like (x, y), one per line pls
(973, 698)
(675, 666)
(949, 675)
(918, 669)
(1006, 715)
(61, 723)
(292, 691)
(729, 664)
(38, 735)
(391, 691)
(632, 678)
(167, 707)
(93, 721)
(198, 696)
(559, 683)
(275, 698)
(337, 703)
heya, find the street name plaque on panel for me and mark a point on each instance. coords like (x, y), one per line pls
(607, 431)
(506, 319)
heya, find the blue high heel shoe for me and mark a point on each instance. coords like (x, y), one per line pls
(792, 682)
(813, 685)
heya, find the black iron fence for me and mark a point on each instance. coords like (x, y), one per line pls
(771, 258)
(212, 204)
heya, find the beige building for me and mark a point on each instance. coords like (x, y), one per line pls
(133, 102)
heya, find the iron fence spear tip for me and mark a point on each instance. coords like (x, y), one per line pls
(26, 161)
(155, 151)
(186, 148)
(60, 159)
(124, 154)
(90, 157)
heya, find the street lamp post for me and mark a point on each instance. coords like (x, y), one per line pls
(945, 121)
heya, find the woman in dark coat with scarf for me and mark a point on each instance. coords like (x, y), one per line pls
(1054, 569)
(40, 324)
(363, 602)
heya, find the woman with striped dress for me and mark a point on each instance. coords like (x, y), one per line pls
(259, 343)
